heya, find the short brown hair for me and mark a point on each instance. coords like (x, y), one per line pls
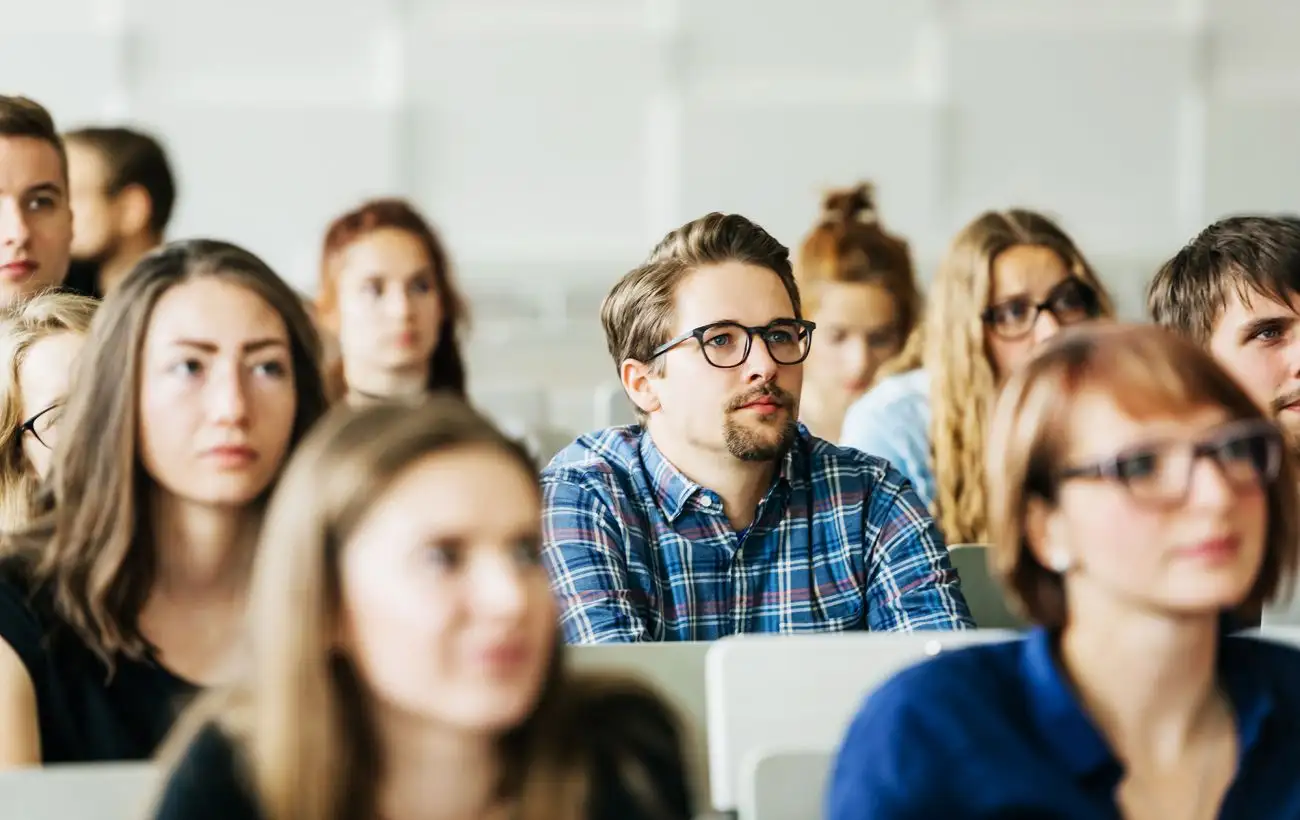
(637, 314)
(850, 245)
(133, 158)
(1146, 370)
(1248, 255)
(22, 117)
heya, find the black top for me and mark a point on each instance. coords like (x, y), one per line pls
(84, 715)
(212, 781)
(83, 279)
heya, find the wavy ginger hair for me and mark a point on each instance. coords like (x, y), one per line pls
(952, 346)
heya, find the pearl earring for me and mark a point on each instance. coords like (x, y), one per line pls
(1059, 561)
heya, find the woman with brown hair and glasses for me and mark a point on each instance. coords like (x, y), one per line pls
(1009, 281)
(39, 342)
(126, 593)
(1139, 497)
(406, 660)
(388, 297)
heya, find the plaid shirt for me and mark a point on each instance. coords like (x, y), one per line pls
(638, 552)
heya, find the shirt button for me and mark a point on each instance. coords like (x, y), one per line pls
(705, 501)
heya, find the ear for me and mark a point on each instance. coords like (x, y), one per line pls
(1040, 527)
(134, 209)
(639, 385)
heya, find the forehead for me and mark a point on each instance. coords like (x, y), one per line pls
(27, 161)
(210, 308)
(85, 163)
(731, 291)
(1243, 303)
(383, 251)
(47, 368)
(854, 304)
(1027, 270)
(1100, 427)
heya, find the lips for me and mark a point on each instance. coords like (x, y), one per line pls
(232, 455)
(15, 271)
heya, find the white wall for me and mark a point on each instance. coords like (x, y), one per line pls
(553, 141)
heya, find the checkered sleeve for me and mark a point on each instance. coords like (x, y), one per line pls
(912, 584)
(584, 553)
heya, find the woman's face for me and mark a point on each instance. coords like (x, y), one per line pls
(217, 393)
(446, 610)
(858, 330)
(389, 312)
(1181, 535)
(1024, 278)
(43, 379)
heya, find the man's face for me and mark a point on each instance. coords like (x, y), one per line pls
(749, 410)
(1257, 340)
(95, 230)
(35, 220)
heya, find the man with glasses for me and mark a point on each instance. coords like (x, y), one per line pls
(719, 513)
(35, 219)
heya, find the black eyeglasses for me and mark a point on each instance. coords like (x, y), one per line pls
(1248, 454)
(42, 425)
(1071, 302)
(727, 344)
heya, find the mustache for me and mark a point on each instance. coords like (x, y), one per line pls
(769, 391)
(1286, 400)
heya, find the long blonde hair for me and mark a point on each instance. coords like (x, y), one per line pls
(963, 385)
(299, 717)
(21, 328)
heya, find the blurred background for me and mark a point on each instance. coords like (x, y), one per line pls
(553, 141)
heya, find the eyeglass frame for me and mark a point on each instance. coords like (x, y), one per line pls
(1094, 307)
(29, 426)
(750, 331)
(1108, 468)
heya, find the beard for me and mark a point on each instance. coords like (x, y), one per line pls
(767, 440)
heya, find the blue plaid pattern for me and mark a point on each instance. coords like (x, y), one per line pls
(892, 421)
(638, 552)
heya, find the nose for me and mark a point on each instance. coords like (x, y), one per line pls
(398, 303)
(759, 365)
(228, 396)
(857, 359)
(500, 585)
(1293, 356)
(1045, 326)
(14, 231)
(1209, 487)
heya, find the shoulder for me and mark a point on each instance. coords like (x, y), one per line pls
(25, 617)
(635, 747)
(208, 781)
(851, 469)
(1276, 663)
(598, 455)
(906, 390)
(893, 414)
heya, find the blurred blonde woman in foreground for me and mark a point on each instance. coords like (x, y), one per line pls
(405, 660)
(39, 343)
(1138, 498)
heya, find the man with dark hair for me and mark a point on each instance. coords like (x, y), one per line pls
(35, 219)
(122, 192)
(720, 513)
(1235, 289)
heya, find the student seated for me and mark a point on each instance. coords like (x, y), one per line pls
(39, 343)
(405, 661)
(1139, 497)
(720, 513)
(1009, 281)
(127, 591)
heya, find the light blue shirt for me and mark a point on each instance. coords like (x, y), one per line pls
(892, 421)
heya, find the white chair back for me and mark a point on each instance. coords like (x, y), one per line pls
(103, 791)
(783, 785)
(786, 692)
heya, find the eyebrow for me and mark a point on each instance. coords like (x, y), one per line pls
(415, 274)
(45, 188)
(1259, 323)
(248, 347)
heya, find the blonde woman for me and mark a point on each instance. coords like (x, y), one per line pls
(406, 662)
(1009, 281)
(39, 343)
(1138, 496)
(858, 286)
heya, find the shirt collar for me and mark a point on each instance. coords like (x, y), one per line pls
(673, 490)
(1068, 730)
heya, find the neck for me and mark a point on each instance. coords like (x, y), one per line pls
(129, 250)
(202, 552)
(432, 772)
(740, 484)
(1149, 681)
(369, 384)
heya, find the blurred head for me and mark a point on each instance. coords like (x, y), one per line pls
(859, 288)
(1234, 290)
(35, 219)
(39, 342)
(387, 293)
(1009, 281)
(122, 191)
(1128, 472)
(710, 341)
(376, 606)
(199, 377)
